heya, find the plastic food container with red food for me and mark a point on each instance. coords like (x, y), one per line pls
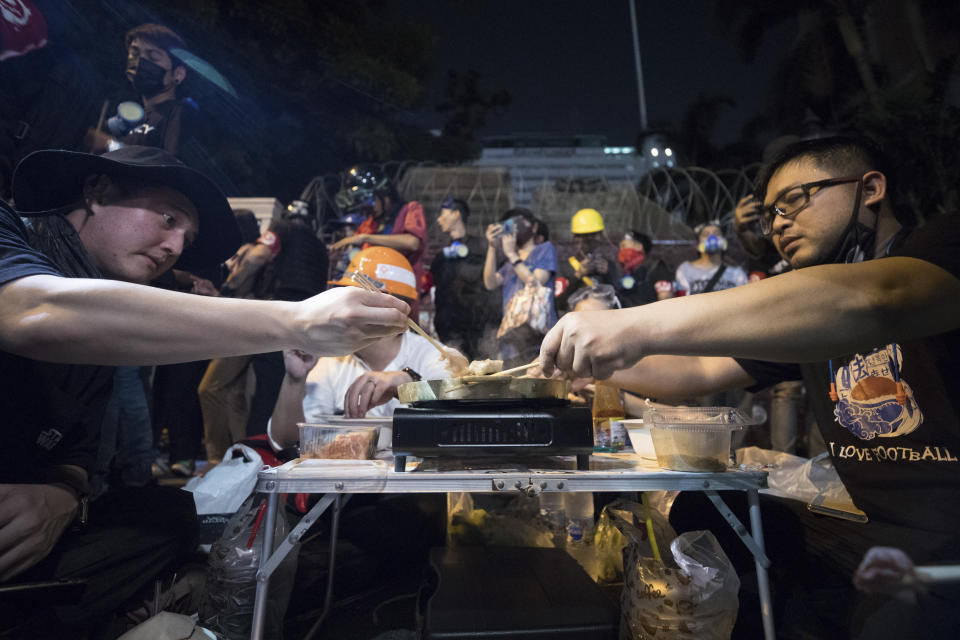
(338, 442)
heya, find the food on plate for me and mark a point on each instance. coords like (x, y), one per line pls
(484, 367)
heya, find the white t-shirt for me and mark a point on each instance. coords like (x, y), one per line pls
(693, 279)
(328, 381)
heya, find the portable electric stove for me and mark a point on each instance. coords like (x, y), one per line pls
(500, 428)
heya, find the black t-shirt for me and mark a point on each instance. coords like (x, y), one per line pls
(462, 302)
(51, 413)
(161, 127)
(642, 285)
(900, 463)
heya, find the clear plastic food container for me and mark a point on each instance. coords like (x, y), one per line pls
(338, 442)
(385, 424)
(693, 438)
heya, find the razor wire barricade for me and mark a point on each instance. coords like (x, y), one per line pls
(665, 204)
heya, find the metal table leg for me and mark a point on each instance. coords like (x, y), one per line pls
(328, 598)
(754, 542)
(269, 562)
(763, 582)
(263, 579)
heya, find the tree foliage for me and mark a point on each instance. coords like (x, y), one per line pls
(321, 85)
(883, 69)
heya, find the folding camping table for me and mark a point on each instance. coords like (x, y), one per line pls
(338, 479)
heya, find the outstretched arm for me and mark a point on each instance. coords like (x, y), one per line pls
(664, 377)
(806, 315)
(76, 320)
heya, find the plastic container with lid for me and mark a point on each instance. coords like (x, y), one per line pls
(385, 423)
(338, 442)
(693, 438)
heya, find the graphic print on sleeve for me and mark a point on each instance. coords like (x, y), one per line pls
(867, 388)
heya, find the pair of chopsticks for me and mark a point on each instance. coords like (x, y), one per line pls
(931, 574)
(368, 283)
(522, 367)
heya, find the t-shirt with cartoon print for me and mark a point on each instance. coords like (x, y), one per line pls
(894, 431)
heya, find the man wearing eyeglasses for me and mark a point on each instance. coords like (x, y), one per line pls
(869, 319)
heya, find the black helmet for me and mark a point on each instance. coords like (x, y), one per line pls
(365, 177)
(299, 211)
(360, 184)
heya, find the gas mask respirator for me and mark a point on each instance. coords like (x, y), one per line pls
(712, 244)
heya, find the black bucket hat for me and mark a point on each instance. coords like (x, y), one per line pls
(47, 181)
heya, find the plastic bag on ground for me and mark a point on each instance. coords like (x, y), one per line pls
(220, 492)
(623, 522)
(224, 488)
(168, 626)
(227, 604)
(496, 520)
(693, 593)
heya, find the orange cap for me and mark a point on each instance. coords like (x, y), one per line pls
(383, 265)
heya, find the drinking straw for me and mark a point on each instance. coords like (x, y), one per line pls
(256, 525)
(650, 534)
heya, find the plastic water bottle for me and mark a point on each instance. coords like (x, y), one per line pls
(554, 515)
(227, 603)
(580, 523)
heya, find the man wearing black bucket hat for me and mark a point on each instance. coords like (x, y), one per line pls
(88, 233)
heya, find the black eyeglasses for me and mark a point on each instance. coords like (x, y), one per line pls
(793, 200)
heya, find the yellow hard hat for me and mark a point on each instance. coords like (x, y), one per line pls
(383, 265)
(586, 221)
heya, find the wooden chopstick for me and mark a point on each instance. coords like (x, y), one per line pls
(364, 281)
(930, 574)
(515, 369)
(436, 345)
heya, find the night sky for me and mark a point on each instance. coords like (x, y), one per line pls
(569, 65)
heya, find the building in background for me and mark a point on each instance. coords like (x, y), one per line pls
(567, 162)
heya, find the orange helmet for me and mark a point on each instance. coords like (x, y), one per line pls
(384, 265)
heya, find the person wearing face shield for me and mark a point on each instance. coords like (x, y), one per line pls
(708, 272)
(390, 222)
(155, 76)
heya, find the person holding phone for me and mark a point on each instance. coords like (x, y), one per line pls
(527, 263)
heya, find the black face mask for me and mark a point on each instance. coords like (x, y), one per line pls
(856, 244)
(148, 78)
